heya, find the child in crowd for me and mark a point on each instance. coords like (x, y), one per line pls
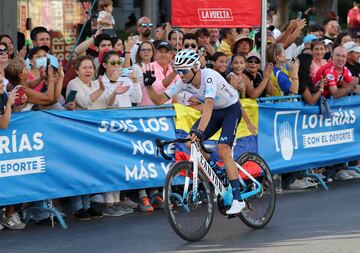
(236, 77)
(219, 60)
(105, 19)
(38, 63)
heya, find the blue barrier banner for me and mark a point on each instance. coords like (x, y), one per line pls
(52, 154)
(294, 136)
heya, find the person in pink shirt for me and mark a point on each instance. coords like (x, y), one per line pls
(164, 73)
(318, 52)
(165, 76)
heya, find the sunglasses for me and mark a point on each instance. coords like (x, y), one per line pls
(113, 63)
(146, 25)
(256, 61)
(182, 71)
(188, 45)
(3, 51)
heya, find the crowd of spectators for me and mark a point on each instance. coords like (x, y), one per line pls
(307, 59)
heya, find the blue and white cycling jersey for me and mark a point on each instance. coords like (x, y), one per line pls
(212, 85)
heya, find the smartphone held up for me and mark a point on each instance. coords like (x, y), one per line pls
(19, 96)
(125, 72)
(71, 97)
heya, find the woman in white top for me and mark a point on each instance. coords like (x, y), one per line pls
(113, 75)
(91, 94)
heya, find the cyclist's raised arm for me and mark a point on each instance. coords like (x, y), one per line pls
(156, 98)
(149, 79)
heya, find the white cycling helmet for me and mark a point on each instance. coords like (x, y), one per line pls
(186, 59)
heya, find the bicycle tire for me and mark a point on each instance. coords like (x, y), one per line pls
(174, 210)
(248, 215)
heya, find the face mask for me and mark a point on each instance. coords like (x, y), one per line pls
(147, 33)
(41, 62)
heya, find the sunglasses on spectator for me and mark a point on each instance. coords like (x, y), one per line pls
(113, 63)
(182, 71)
(145, 49)
(3, 51)
(188, 45)
(253, 60)
(146, 25)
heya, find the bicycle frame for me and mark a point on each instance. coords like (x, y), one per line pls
(187, 189)
(198, 159)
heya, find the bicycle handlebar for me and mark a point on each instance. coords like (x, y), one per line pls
(161, 144)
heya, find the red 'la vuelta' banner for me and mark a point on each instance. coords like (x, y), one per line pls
(216, 13)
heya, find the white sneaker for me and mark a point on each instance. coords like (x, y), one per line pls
(300, 184)
(343, 175)
(14, 222)
(353, 173)
(236, 207)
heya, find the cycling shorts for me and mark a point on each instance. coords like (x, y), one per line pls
(228, 119)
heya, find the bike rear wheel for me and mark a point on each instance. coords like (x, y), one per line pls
(260, 207)
(190, 219)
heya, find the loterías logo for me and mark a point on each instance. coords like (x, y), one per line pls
(285, 135)
(21, 144)
(215, 14)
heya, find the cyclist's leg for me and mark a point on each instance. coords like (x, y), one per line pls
(230, 122)
(213, 126)
(231, 119)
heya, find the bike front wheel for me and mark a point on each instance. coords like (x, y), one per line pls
(260, 207)
(190, 213)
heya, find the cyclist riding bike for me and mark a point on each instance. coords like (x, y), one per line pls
(221, 109)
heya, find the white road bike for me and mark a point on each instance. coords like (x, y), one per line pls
(191, 187)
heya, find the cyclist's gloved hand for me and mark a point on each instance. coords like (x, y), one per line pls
(149, 77)
(198, 133)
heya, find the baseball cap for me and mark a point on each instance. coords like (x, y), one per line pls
(327, 42)
(309, 38)
(35, 50)
(253, 54)
(164, 44)
(351, 46)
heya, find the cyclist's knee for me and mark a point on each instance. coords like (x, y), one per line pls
(224, 151)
